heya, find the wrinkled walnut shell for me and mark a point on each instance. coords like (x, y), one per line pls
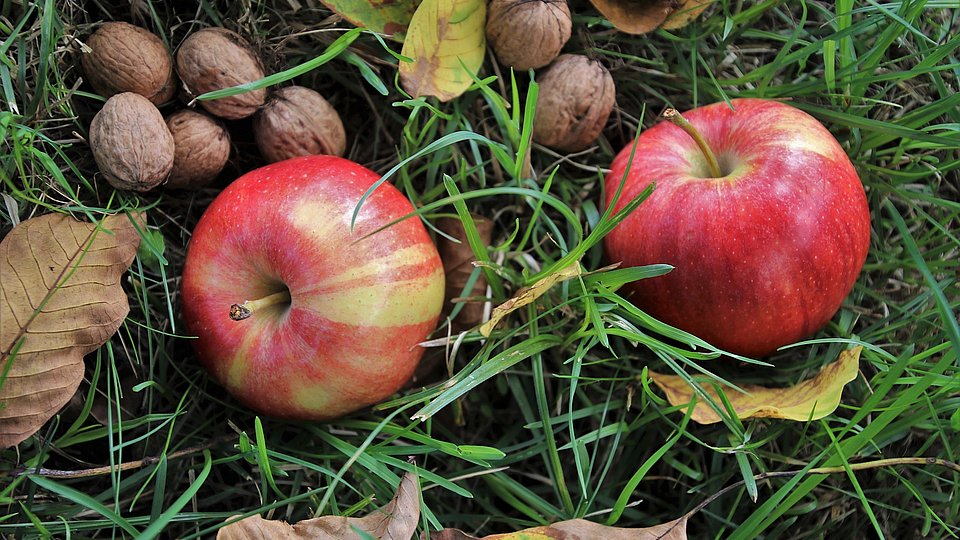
(201, 149)
(298, 122)
(528, 34)
(127, 58)
(576, 97)
(131, 144)
(215, 58)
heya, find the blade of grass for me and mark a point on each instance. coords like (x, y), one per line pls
(85, 501)
(328, 54)
(157, 526)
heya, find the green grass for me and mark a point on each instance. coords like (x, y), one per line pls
(551, 418)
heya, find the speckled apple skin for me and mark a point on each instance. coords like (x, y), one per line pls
(358, 307)
(763, 257)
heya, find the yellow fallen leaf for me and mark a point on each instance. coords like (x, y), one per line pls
(528, 295)
(575, 529)
(60, 298)
(397, 520)
(446, 41)
(809, 400)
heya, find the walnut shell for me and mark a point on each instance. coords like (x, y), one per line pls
(127, 58)
(131, 143)
(298, 122)
(576, 97)
(215, 58)
(528, 34)
(201, 149)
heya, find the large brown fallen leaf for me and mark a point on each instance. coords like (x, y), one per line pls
(446, 41)
(385, 16)
(528, 295)
(809, 400)
(642, 16)
(397, 520)
(60, 298)
(580, 529)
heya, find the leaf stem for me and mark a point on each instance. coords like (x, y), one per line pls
(239, 312)
(678, 120)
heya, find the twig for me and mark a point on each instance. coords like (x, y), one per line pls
(107, 469)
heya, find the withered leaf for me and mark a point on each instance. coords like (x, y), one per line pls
(811, 399)
(528, 295)
(635, 17)
(60, 298)
(688, 11)
(385, 16)
(580, 529)
(397, 520)
(446, 41)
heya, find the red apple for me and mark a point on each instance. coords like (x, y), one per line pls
(765, 251)
(329, 321)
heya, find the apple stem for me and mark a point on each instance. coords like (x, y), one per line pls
(678, 120)
(239, 312)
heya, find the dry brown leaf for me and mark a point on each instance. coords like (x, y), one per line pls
(528, 295)
(635, 17)
(447, 41)
(397, 520)
(811, 399)
(60, 298)
(580, 529)
(690, 10)
(457, 265)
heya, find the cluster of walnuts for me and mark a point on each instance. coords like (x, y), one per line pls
(577, 94)
(136, 148)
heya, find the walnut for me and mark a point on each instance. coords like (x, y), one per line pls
(298, 122)
(127, 58)
(131, 143)
(527, 34)
(201, 149)
(215, 58)
(576, 97)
